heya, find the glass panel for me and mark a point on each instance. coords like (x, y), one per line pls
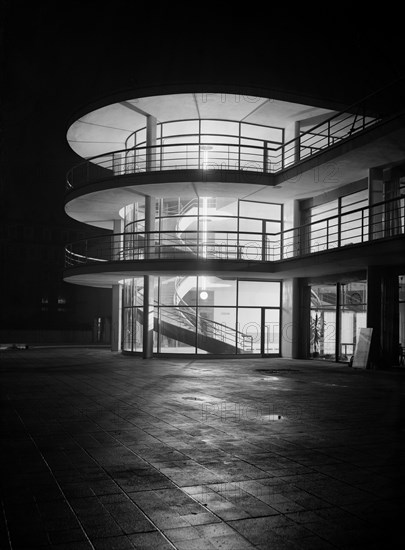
(219, 127)
(180, 127)
(271, 331)
(260, 210)
(248, 224)
(216, 330)
(353, 316)
(323, 321)
(177, 330)
(127, 329)
(177, 291)
(273, 227)
(184, 291)
(324, 210)
(250, 247)
(262, 132)
(318, 238)
(179, 223)
(226, 206)
(249, 330)
(323, 333)
(218, 223)
(323, 296)
(259, 293)
(355, 200)
(137, 295)
(127, 298)
(137, 340)
(353, 228)
(216, 291)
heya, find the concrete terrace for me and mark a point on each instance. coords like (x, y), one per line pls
(104, 451)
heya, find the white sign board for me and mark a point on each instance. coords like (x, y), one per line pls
(362, 350)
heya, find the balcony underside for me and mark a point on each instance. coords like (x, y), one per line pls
(347, 259)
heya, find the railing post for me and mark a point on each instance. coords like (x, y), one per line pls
(265, 156)
(264, 241)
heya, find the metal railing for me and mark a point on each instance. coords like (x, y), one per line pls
(206, 151)
(381, 220)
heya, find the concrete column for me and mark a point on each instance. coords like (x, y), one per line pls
(304, 316)
(392, 210)
(383, 316)
(148, 280)
(292, 151)
(291, 242)
(151, 125)
(390, 319)
(375, 195)
(290, 319)
(116, 318)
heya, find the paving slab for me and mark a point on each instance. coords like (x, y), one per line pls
(103, 450)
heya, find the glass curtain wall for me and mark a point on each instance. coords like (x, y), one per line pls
(337, 305)
(205, 315)
(323, 321)
(347, 223)
(353, 316)
(211, 227)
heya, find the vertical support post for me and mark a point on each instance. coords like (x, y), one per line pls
(148, 315)
(291, 327)
(265, 156)
(375, 195)
(337, 323)
(151, 125)
(148, 280)
(264, 241)
(116, 328)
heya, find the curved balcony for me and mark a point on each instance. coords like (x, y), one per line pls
(359, 226)
(164, 245)
(259, 150)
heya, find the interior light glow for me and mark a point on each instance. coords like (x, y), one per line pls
(203, 295)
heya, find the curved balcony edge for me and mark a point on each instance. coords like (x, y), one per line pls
(389, 251)
(171, 176)
(110, 273)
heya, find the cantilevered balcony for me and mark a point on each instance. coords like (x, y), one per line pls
(249, 148)
(251, 251)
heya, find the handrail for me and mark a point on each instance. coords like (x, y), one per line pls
(380, 220)
(200, 120)
(332, 130)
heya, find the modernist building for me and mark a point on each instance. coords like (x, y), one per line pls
(241, 225)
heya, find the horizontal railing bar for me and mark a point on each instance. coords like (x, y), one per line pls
(331, 232)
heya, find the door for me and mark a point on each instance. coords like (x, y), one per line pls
(270, 340)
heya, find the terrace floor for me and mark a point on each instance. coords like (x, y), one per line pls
(105, 451)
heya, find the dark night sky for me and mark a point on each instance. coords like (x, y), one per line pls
(59, 57)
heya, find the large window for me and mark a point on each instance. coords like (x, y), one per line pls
(205, 314)
(353, 316)
(323, 321)
(338, 312)
(339, 222)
